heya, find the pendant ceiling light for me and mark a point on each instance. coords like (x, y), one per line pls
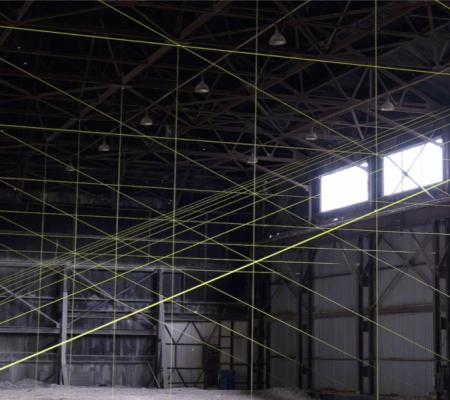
(146, 120)
(201, 87)
(277, 39)
(311, 135)
(388, 105)
(104, 147)
(252, 160)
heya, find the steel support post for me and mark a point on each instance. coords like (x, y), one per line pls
(369, 327)
(268, 341)
(366, 300)
(305, 322)
(162, 334)
(441, 309)
(260, 359)
(361, 282)
(445, 320)
(370, 282)
(249, 334)
(232, 343)
(262, 296)
(300, 318)
(64, 374)
(437, 314)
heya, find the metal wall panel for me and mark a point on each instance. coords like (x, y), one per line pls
(340, 375)
(405, 368)
(285, 341)
(340, 289)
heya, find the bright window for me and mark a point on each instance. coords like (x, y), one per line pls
(344, 187)
(413, 168)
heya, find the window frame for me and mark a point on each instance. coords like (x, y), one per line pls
(399, 194)
(359, 205)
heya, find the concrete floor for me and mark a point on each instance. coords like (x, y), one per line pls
(56, 392)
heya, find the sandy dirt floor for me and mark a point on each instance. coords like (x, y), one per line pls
(56, 392)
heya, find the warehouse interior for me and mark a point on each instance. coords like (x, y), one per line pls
(224, 199)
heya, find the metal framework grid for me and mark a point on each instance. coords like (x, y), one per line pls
(156, 254)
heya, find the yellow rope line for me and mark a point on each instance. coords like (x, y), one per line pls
(245, 82)
(298, 217)
(236, 299)
(74, 257)
(317, 293)
(216, 236)
(254, 160)
(41, 249)
(412, 342)
(376, 195)
(212, 280)
(287, 105)
(315, 160)
(419, 281)
(348, 63)
(174, 216)
(280, 226)
(116, 240)
(170, 139)
(442, 4)
(199, 314)
(210, 141)
(89, 287)
(139, 266)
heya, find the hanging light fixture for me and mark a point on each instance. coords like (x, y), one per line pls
(104, 147)
(388, 105)
(252, 160)
(277, 39)
(201, 87)
(146, 120)
(311, 135)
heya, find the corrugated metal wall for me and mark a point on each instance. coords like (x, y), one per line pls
(134, 349)
(405, 308)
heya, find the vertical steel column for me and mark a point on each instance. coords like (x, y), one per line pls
(446, 154)
(441, 306)
(261, 302)
(300, 317)
(232, 343)
(308, 326)
(249, 333)
(441, 312)
(305, 322)
(162, 335)
(366, 298)
(258, 332)
(64, 375)
(437, 317)
(361, 282)
(370, 327)
(446, 323)
(260, 354)
(268, 343)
